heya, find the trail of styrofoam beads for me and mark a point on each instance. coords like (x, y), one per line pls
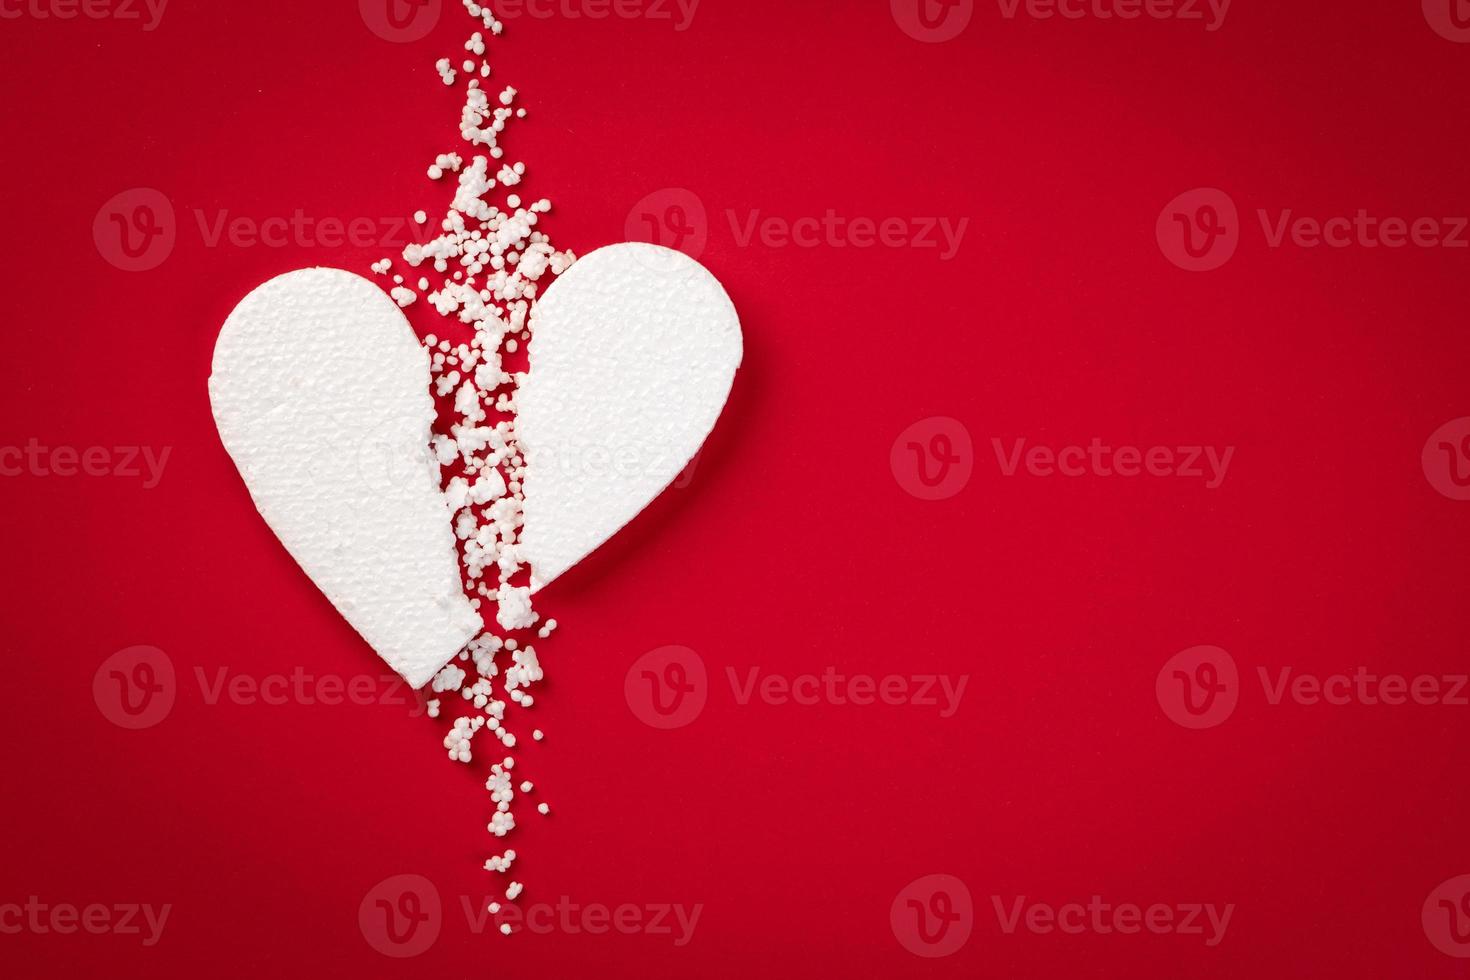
(498, 261)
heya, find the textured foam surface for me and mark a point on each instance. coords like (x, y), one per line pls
(633, 351)
(321, 395)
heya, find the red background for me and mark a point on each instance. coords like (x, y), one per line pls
(794, 547)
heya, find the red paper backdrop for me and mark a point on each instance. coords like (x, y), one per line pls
(1078, 149)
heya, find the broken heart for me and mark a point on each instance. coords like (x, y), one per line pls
(633, 353)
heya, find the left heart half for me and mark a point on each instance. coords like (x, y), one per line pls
(320, 392)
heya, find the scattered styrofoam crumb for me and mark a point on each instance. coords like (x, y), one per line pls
(483, 270)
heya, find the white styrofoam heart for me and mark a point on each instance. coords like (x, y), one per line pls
(321, 395)
(632, 355)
